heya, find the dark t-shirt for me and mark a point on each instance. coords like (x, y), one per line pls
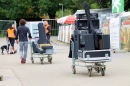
(22, 32)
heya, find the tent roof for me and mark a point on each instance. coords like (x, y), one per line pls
(94, 11)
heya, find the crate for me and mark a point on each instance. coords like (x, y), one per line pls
(94, 55)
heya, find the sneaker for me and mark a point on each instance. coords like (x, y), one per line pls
(11, 53)
(22, 60)
(2, 53)
(15, 51)
(7, 52)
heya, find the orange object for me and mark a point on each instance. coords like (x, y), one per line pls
(11, 33)
(70, 19)
(46, 27)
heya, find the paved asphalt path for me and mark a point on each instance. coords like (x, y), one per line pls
(59, 73)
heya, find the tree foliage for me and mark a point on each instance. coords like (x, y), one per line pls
(66, 13)
(50, 7)
(15, 9)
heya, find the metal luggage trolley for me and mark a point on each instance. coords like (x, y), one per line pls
(96, 62)
(47, 53)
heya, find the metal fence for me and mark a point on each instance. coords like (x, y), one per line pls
(4, 24)
(54, 26)
(2, 33)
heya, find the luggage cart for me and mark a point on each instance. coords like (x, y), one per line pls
(41, 54)
(96, 62)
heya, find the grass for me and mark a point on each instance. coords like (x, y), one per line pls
(2, 36)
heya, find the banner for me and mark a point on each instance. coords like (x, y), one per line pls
(69, 35)
(115, 33)
(105, 27)
(125, 32)
(66, 35)
(61, 33)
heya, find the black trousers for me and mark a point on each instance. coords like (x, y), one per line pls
(70, 51)
(12, 41)
(48, 38)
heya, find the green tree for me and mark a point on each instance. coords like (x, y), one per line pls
(49, 6)
(4, 7)
(19, 9)
(79, 3)
(127, 5)
(2, 13)
(15, 9)
(66, 13)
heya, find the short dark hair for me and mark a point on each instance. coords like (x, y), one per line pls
(22, 22)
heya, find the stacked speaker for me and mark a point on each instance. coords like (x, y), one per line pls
(84, 39)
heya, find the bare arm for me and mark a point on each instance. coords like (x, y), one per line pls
(17, 33)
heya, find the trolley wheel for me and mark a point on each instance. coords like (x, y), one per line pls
(41, 59)
(104, 68)
(73, 69)
(32, 60)
(50, 59)
(103, 71)
(89, 72)
(97, 69)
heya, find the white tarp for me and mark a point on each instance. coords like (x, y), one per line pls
(62, 20)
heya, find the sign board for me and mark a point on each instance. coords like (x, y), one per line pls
(33, 26)
(115, 33)
(117, 6)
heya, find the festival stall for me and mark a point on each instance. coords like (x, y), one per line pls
(119, 29)
(117, 25)
(66, 28)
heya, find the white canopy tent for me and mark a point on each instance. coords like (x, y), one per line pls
(62, 20)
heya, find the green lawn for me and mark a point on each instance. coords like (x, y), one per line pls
(2, 36)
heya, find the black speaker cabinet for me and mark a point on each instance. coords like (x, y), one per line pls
(104, 41)
(84, 24)
(83, 16)
(77, 40)
(87, 42)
